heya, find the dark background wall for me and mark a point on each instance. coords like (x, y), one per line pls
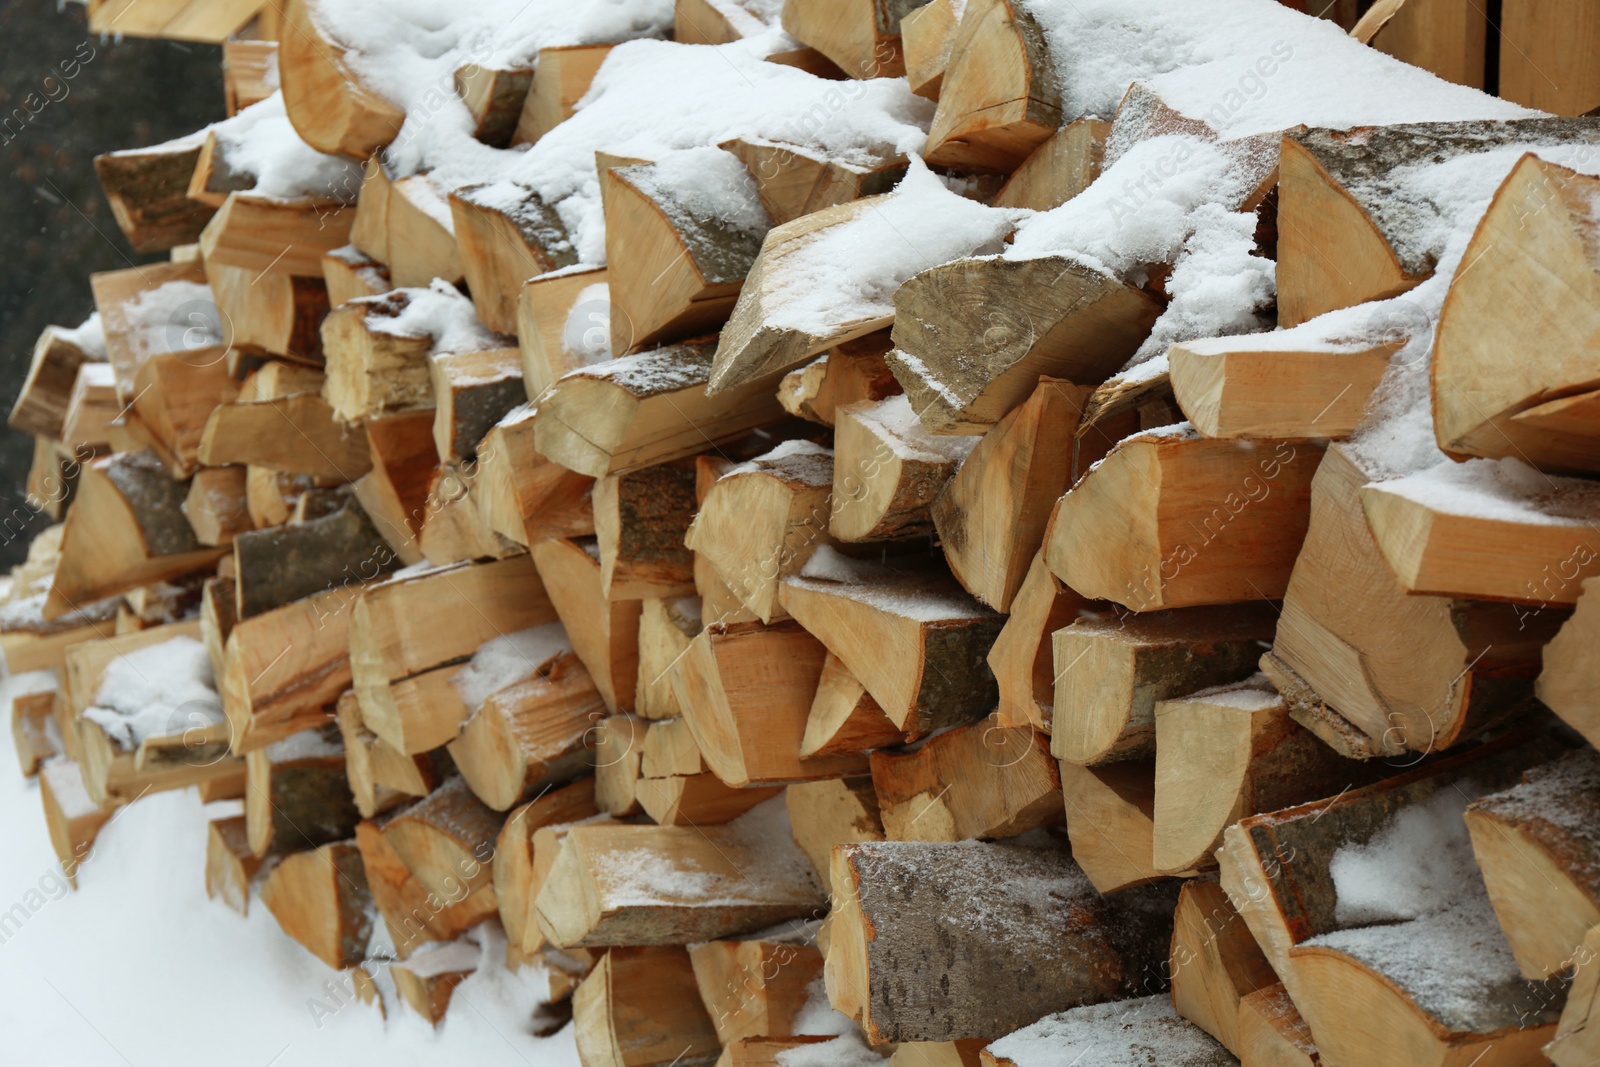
(55, 226)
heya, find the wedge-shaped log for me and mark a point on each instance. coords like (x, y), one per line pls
(1063, 166)
(125, 529)
(295, 433)
(915, 640)
(604, 633)
(640, 1007)
(494, 95)
(427, 980)
(1577, 1040)
(349, 273)
(148, 190)
(618, 764)
(264, 233)
(761, 521)
(746, 691)
(887, 471)
(283, 564)
(1272, 1032)
(471, 392)
(793, 181)
(364, 753)
(861, 36)
(1215, 962)
(331, 108)
(1111, 669)
(230, 865)
(640, 519)
(1448, 40)
(174, 394)
(320, 898)
(926, 37)
(1147, 1032)
(1171, 519)
(755, 987)
(41, 405)
(521, 495)
(991, 515)
(665, 629)
(560, 78)
(446, 840)
(118, 294)
(533, 733)
(845, 374)
(1552, 35)
(1567, 682)
(645, 409)
(833, 811)
(298, 795)
(512, 869)
(72, 818)
(979, 780)
(1032, 937)
(973, 337)
(844, 718)
(507, 234)
(708, 882)
(563, 321)
(1111, 822)
(31, 723)
(1023, 655)
(412, 912)
(697, 799)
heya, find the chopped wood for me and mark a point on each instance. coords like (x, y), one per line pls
(41, 405)
(446, 840)
(1272, 1033)
(174, 395)
(332, 109)
(506, 235)
(670, 749)
(1111, 822)
(394, 493)
(426, 980)
(851, 372)
(1023, 655)
(523, 497)
(561, 76)
(1215, 962)
(887, 471)
(927, 35)
(1575, 1043)
(71, 816)
(472, 391)
(285, 563)
(494, 96)
(754, 988)
(263, 233)
(618, 763)
(561, 325)
(861, 36)
(833, 811)
(349, 273)
(296, 433)
(640, 518)
(215, 505)
(665, 629)
(249, 72)
(372, 371)
(1022, 933)
(640, 1007)
(33, 730)
(231, 865)
(92, 407)
(844, 718)
(1063, 166)
(413, 912)
(697, 799)
(512, 869)
(364, 753)
(320, 898)
(148, 190)
(604, 633)
(793, 182)
(298, 795)
(1142, 1032)
(118, 292)
(1543, 58)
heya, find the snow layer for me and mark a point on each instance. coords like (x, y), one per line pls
(260, 141)
(507, 659)
(88, 335)
(177, 316)
(1504, 490)
(158, 691)
(1147, 1032)
(440, 312)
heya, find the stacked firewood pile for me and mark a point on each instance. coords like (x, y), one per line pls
(1056, 529)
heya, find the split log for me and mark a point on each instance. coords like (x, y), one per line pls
(1565, 682)
(92, 407)
(117, 294)
(320, 898)
(1448, 39)
(845, 375)
(704, 883)
(754, 988)
(394, 493)
(298, 795)
(697, 799)
(1023, 655)
(926, 38)
(1577, 1040)
(349, 273)
(604, 633)
(173, 396)
(670, 749)
(1231, 533)
(793, 182)
(887, 471)
(512, 869)
(1215, 962)
(1112, 669)
(1542, 52)
(980, 780)
(506, 234)
(426, 980)
(761, 521)
(1063, 166)
(861, 36)
(330, 107)
(520, 495)
(665, 629)
(618, 762)
(1272, 1033)
(217, 616)
(1225, 753)
(938, 1053)
(262, 233)
(215, 505)
(494, 96)
(249, 72)
(364, 752)
(1146, 1032)
(563, 321)
(296, 433)
(286, 563)
(561, 76)
(991, 516)
(645, 409)
(833, 811)
(372, 371)
(639, 1007)
(531, 734)
(915, 640)
(1238, 387)
(746, 691)
(844, 718)
(673, 273)
(713, 22)
(1401, 671)
(413, 913)
(1050, 316)
(640, 518)
(1483, 403)
(126, 529)
(472, 391)
(72, 817)
(1022, 933)
(41, 405)
(230, 863)
(178, 20)
(271, 496)
(446, 840)
(717, 601)
(1111, 822)
(32, 730)
(1537, 847)
(148, 190)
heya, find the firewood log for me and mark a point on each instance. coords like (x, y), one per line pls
(215, 505)
(394, 493)
(1111, 822)
(861, 36)
(296, 433)
(330, 106)
(844, 718)
(915, 640)
(364, 753)
(178, 20)
(279, 565)
(845, 375)
(41, 405)
(927, 35)
(746, 692)
(640, 519)
(1022, 656)
(271, 496)
(887, 471)
(1111, 669)
(717, 601)
(494, 95)
(1575, 1043)
(938, 1053)
(72, 817)
(414, 913)
(706, 882)
(978, 780)
(669, 748)
(1215, 962)
(665, 629)
(639, 1007)
(349, 273)
(522, 496)
(283, 667)
(126, 529)
(531, 734)
(270, 311)
(263, 233)
(1535, 844)
(793, 182)
(426, 980)
(174, 395)
(756, 987)
(1144, 1032)
(991, 515)
(506, 234)
(512, 869)
(1231, 533)
(714, 21)
(672, 273)
(1447, 39)
(117, 292)
(563, 320)
(372, 371)
(1032, 937)
(1225, 753)
(1484, 404)
(1550, 36)
(697, 799)
(32, 723)
(230, 863)
(217, 617)
(1064, 165)
(446, 840)
(1401, 671)
(761, 521)
(833, 811)
(472, 391)
(604, 633)
(1272, 1033)
(91, 407)
(453, 530)
(148, 190)
(618, 763)
(645, 409)
(1050, 316)
(560, 78)
(249, 72)
(1564, 683)
(320, 898)
(298, 795)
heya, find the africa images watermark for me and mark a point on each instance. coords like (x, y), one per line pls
(54, 87)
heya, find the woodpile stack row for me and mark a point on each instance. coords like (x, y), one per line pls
(1058, 530)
